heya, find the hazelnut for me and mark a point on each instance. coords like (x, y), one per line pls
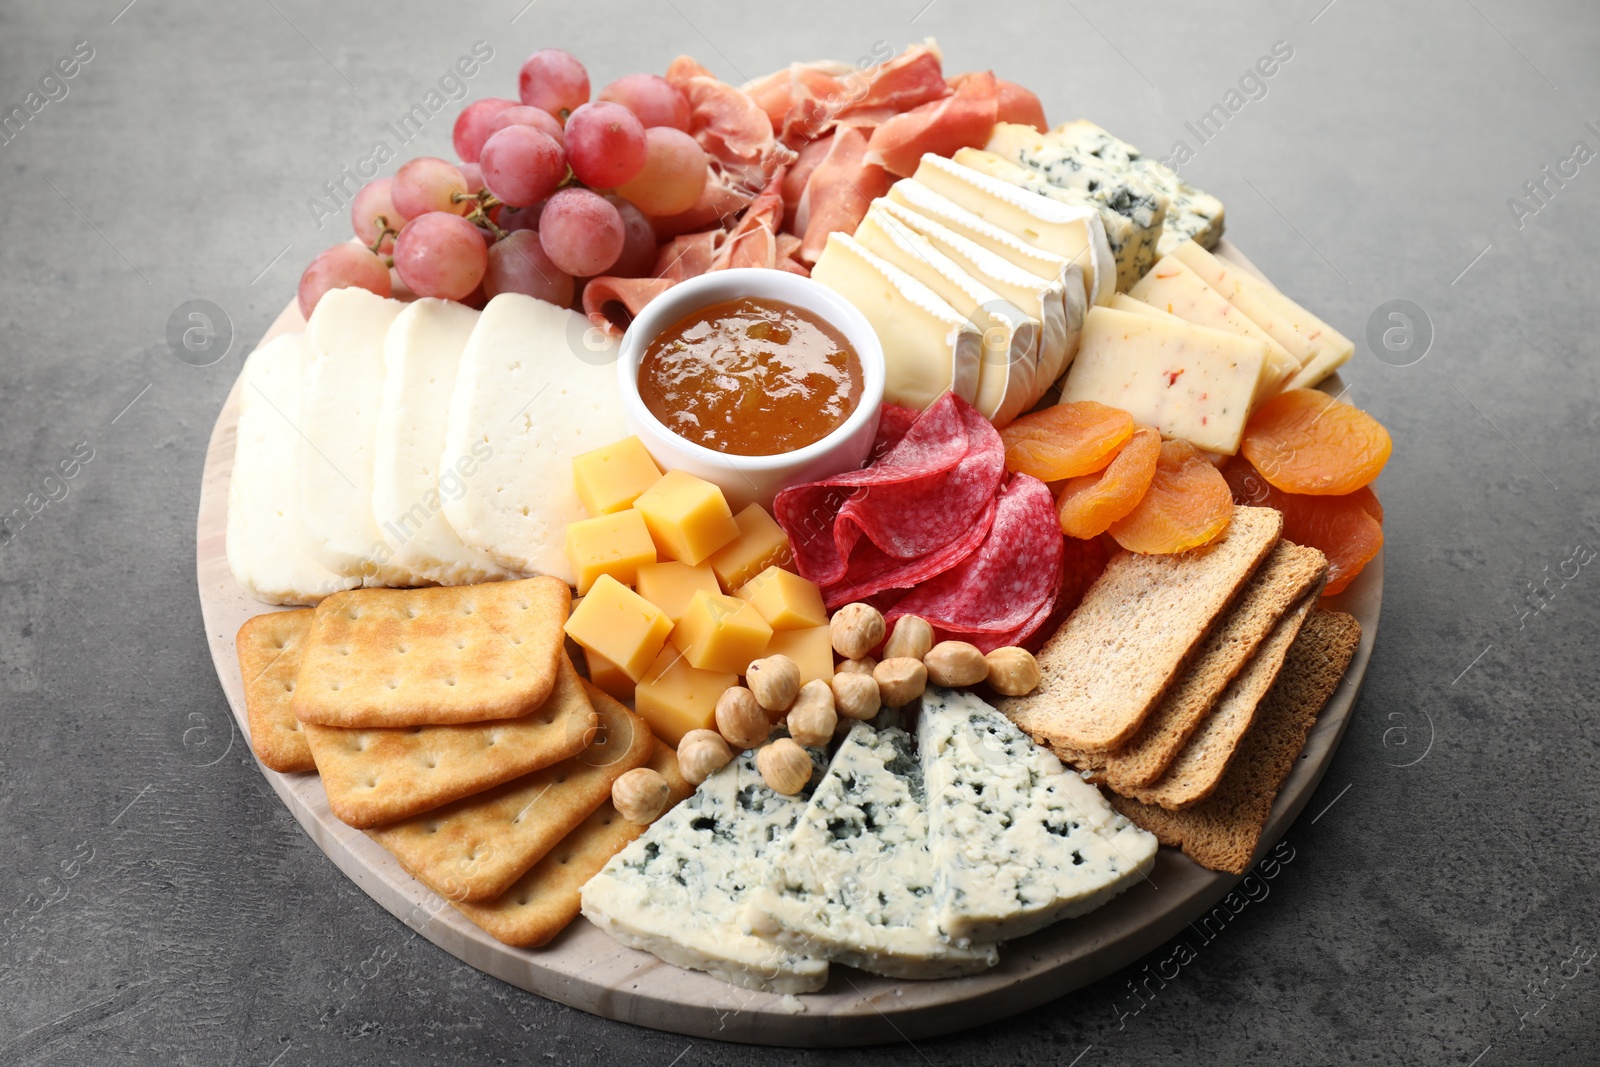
(912, 637)
(701, 754)
(855, 696)
(864, 665)
(641, 795)
(856, 630)
(955, 663)
(900, 681)
(812, 719)
(775, 681)
(740, 718)
(785, 766)
(1013, 671)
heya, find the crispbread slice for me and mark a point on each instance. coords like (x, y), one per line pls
(1200, 764)
(270, 647)
(379, 776)
(1110, 662)
(541, 903)
(472, 850)
(1222, 831)
(428, 657)
(1284, 578)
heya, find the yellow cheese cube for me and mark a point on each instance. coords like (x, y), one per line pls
(615, 544)
(761, 544)
(786, 600)
(670, 586)
(674, 697)
(688, 517)
(811, 649)
(609, 677)
(620, 625)
(721, 633)
(610, 479)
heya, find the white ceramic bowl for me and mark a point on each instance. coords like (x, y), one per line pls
(754, 479)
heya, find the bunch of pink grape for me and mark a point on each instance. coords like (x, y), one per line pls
(551, 189)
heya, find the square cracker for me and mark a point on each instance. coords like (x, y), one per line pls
(382, 775)
(1223, 831)
(1117, 653)
(541, 903)
(430, 657)
(474, 849)
(270, 648)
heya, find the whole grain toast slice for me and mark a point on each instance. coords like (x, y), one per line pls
(1223, 831)
(1108, 665)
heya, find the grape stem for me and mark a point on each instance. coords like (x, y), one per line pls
(384, 233)
(481, 217)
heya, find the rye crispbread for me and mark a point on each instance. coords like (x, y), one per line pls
(270, 647)
(434, 656)
(1222, 831)
(1117, 653)
(474, 849)
(380, 776)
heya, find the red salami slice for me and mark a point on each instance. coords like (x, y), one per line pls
(873, 570)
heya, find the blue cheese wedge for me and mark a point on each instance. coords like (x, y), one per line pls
(677, 891)
(854, 881)
(1017, 840)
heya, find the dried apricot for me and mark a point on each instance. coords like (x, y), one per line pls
(1090, 503)
(1188, 505)
(1305, 441)
(1347, 529)
(1066, 441)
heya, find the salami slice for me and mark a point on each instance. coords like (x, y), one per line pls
(872, 570)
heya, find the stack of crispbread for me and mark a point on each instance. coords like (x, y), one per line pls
(450, 725)
(1175, 669)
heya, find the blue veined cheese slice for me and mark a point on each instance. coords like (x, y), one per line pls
(1187, 381)
(854, 881)
(1018, 841)
(1010, 334)
(677, 891)
(929, 348)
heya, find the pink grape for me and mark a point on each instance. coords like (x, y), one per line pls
(605, 144)
(656, 101)
(473, 174)
(375, 200)
(522, 165)
(428, 184)
(518, 264)
(522, 115)
(553, 80)
(346, 266)
(581, 232)
(673, 176)
(638, 257)
(472, 125)
(439, 254)
(512, 220)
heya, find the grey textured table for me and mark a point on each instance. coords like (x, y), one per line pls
(1437, 903)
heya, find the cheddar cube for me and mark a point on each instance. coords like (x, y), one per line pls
(720, 633)
(786, 600)
(610, 479)
(811, 649)
(674, 697)
(609, 677)
(761, 544)
(620, 625)
(670, 586)
(616, 544)
(688, 517)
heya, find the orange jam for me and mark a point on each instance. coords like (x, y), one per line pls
(751, 377)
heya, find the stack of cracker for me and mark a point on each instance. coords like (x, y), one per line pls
(450, 725)
(1181, 682)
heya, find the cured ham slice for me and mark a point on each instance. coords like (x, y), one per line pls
(613, 303)
(838, 192)
(688, 255)
(964, 119)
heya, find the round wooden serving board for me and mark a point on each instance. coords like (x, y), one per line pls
(586, 969)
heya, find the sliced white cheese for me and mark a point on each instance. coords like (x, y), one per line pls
(929, 347)
(854, 880)
(421, 356)
(1320, 348)
(339, 425)
(1010, 335)
(265, 546)
(536, 387)
(1124, 302)
(1187, 381)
